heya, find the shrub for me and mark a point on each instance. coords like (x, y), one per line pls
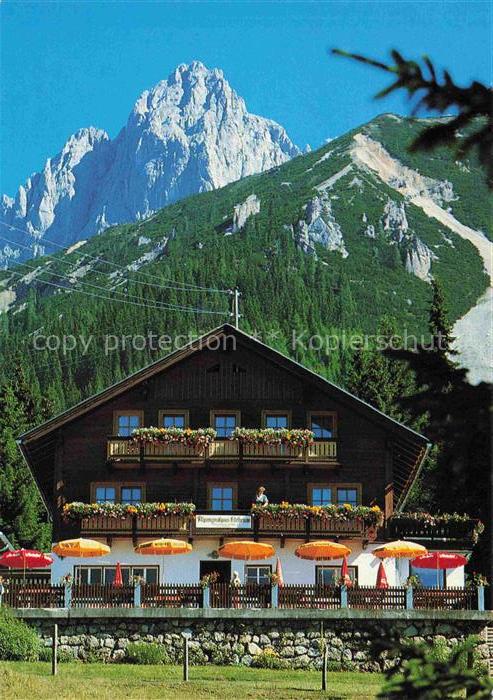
(146, 653)
(269, 658)
(431, 672)
(18, 641)
(63, 655)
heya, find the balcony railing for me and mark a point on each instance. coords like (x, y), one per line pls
(207, 523)
(408, 528)
(248, 595)
(124, 449)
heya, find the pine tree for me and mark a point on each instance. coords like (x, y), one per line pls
(22, 515)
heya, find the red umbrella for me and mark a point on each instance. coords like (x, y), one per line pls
(382, 577)
(25, 559)
(280, 579)
(439, 561)
(345, 572)
(118, 580)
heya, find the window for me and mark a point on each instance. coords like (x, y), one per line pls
(225, 422)
(222, 496)
(118, 493)
(431, 578)
(125, 422)
(106, 574)
(173, 419)
(276, 419)
(105, 494)
(323, 425)
(257, 574)
(320, 494)
(330, 575)
(131, 495)
(347, 495)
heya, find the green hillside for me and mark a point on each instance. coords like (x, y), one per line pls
(284, 289)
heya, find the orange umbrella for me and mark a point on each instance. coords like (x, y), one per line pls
(118, 580)
(280, 578)
(382, 577)
(321, 550)
(164, 547)
(400, 549)
(80, 548)
(246, 550)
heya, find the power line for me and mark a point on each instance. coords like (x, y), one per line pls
(161, 305)
(180, 286)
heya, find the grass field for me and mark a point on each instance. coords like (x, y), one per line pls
(30, 681)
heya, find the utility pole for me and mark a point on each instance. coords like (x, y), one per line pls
(236, 306)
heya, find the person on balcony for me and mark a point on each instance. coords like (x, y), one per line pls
(260, 497)
(235, 592)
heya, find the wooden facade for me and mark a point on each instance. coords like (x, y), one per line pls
(73, 453)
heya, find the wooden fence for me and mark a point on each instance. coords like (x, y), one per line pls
(445, 599)
(249, 595)
(98, 595)
(33, 594)
(376, 599)
(292, 595)
(156, 595)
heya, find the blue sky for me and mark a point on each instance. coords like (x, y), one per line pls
(65, 65)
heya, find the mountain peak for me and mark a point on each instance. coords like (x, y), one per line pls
(189, 133)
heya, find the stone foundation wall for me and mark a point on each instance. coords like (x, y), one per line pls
(238, 641)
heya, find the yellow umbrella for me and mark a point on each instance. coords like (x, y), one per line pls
(321, 550)
(400, 549)
(80, 548)
(164, 547)
(246, 550)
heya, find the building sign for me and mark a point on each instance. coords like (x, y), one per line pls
(233, 522)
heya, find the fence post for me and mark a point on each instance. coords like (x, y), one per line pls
(274, 596)
(344, 596)
(481, 598)
(409, 598)
(67, 596)
(137, 595)
(206, 597)
(54, 651)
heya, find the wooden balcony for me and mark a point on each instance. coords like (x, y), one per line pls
(106, 526)
(221, 524)
(460, 532)
(124, 450)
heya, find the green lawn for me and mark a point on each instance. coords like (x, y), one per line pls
(76, 681)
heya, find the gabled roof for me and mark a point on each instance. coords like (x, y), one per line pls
(411, 441)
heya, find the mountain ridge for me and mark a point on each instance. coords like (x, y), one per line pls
(189, 133)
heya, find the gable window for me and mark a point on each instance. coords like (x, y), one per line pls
(173, 419)
(105, 494)
(330, 575)
(129, 494)
(125, 422)
(320, 494)
(276, 419)
(323, 424)
(258, 574)
(347, 495)
(224, 422)
(222, 496)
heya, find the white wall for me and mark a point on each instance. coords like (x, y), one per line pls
(184, 568)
